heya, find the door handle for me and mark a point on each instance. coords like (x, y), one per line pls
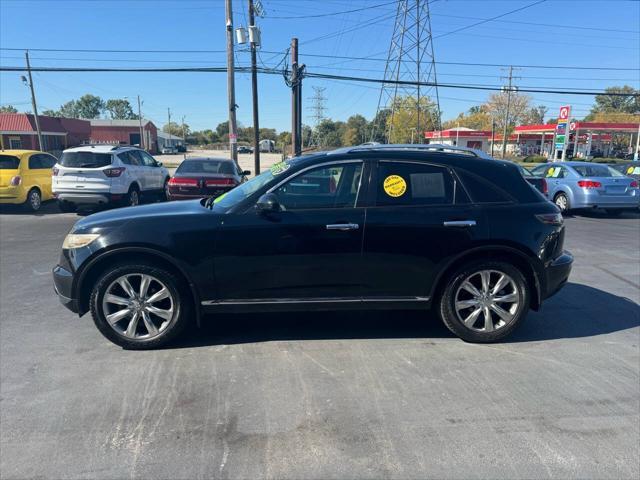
(460, 223)
(343, 226)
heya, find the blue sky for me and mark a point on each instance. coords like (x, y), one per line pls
(595, 34)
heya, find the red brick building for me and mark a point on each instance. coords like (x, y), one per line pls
(125, 131)
(18, 130)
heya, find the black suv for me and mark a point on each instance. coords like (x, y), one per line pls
(382, 226)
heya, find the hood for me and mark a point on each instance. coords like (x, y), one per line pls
(120, 216)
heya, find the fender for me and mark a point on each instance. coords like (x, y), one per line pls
(494, 248)
(139, 249)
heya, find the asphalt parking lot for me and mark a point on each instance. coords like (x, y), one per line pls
(324, 395)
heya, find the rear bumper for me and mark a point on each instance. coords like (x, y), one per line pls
(62, 284)
(597, 200)
(91, 198)
(557, 274)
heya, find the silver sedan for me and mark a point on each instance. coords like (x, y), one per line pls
(575, 185)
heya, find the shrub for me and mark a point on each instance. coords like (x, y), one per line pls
(534, 159)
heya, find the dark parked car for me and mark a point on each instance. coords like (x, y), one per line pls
(204, 177)
(393, 228)
(244, 149)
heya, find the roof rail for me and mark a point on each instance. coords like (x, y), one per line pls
(423, 147)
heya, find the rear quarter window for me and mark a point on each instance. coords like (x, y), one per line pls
(482, 190)
(85, 159)
(9, 162)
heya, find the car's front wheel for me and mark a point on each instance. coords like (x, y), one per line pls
(140, 306)
(484, 301)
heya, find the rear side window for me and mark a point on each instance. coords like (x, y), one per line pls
(404, 184)
(85, 159)
(596, 171)
(9, 162)
(128, 158)
(481, 190)
(41, 161)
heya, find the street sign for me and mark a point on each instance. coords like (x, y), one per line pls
(564, 112)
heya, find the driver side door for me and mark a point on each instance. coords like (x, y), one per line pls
(309, 251)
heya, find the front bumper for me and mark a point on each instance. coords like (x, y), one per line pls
(63, 286)
(557, 274)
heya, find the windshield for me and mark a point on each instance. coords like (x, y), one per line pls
(206, 166)
(9, 162)
(243, 191)
(597, 171)
(85, 159)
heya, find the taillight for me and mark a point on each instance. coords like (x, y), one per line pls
(15, 181)
(633, 184)
(114, 172)
(589, 184)
(545, 186)
(55, 171)
(183, 182)
(219, 181)
(551, 218)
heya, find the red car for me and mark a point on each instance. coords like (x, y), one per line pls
(205, 177)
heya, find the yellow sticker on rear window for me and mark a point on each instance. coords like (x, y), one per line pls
(394, 186)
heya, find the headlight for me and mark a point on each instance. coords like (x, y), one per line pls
(77, 240)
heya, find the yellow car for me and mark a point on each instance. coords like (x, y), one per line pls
(25, 177)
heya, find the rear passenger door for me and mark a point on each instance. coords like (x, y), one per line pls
(152, 171)
(133, 168)
(419, 219)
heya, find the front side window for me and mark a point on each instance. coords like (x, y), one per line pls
(147, 160)
(403, 184)
(334, 186)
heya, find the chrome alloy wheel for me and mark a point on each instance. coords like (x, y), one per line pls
(34, 200)
(138, 306)
(134, 198)
(487, 300)
(561, 202)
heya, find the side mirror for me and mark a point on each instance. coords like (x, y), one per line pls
(268, 203)
(159, 164)
(246, 172)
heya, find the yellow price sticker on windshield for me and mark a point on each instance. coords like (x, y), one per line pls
(394, 186)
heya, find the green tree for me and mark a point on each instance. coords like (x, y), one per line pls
(68, 110)
(402, 124)
(329, 133)
(176, 129)
(624, 104)
(477, 119)
(223, 129)
(356, 130)
(378, 126)
(51, 113)
(120, 109)
(89, 106)
(8, 109)
(534, 116)
(519, 107)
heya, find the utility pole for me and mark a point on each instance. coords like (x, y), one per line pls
(254, 92)
(231, 87)
(169, 126)
(184, 135)
(142, 142)
(33, 102)
(296, 90)
(493, 134)
(509, 88)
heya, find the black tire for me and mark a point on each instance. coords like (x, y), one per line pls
(446, 306)
(132, 199)
(562, 202)
(164, 196)
(67, 207)
(614, 212)
(181, 309)
(34, 200)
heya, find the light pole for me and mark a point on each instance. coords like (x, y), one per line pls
(33, 100)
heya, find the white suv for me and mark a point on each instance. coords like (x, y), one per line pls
(98, 174)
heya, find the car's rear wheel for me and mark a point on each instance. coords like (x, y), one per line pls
(484, 301)
(165, 190)
(133, 197)
(34, 200)
(562, 202)
(66, 207)
(140, 306)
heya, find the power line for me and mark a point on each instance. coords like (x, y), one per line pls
(367, 58)
(489, 19)
(271, 71)
(369, 7)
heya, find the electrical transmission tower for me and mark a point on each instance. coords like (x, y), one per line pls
(318, 108)
(410, 59)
